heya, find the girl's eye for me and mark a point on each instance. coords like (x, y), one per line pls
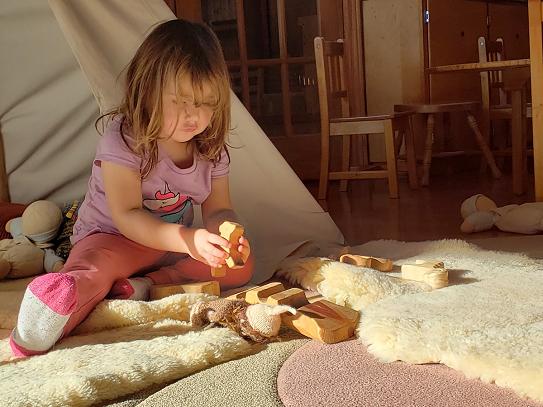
(210, 105)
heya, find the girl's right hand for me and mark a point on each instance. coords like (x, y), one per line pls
(202, 246)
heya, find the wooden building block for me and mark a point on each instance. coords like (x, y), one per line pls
(240, 295)
(259, 295)
(232, 232)
(165, 290)
(431, 272)
(207, 287)
(218, 271)
(323, 320)
(320, 319)
(367, 261)
(295, 297)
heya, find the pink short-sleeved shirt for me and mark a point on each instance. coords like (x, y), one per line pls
(168, 192)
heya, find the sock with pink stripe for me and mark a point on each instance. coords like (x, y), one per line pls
(131, 289)
(48, 302)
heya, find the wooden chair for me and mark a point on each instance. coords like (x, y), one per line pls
(496, 106)
(431, 110)
(333, 88)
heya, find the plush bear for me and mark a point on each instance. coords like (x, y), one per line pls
(481, 213)
(29, 252)
(258, 322)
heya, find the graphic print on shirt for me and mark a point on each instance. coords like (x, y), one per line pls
(172, 208)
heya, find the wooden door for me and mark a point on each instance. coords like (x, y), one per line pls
(453, 27)
(510, 22)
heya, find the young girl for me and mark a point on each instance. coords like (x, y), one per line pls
(162, 152)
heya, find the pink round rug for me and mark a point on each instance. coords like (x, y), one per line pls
(345, 374)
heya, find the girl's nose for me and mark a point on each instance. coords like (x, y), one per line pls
(190, 109)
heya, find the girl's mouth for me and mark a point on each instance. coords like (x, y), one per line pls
(189, 129)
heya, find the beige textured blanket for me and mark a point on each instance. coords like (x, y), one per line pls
(488, 323)
(123, 347)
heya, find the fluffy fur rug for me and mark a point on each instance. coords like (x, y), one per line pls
(488, 323)
(123, 347)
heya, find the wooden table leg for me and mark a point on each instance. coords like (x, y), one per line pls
(536, 70)
(391, 160)
(483, 146)
(427, 162)
(410, 154)
(518, 140)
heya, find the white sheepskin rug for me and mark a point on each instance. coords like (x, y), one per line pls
(488, 323)
(123, 347)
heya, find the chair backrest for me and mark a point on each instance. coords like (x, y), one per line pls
(492, 51)
(331, 78)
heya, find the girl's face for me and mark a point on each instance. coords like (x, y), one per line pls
(181, 119)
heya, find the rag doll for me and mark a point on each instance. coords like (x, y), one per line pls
(481, 213)
(258, 322)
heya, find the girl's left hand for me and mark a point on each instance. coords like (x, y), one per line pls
(244, 248)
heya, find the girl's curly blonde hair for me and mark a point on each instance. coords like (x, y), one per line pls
(175, 49)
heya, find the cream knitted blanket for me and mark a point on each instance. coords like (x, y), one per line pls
(488, 323)
(123, 347)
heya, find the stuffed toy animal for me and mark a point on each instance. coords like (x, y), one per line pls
(37, 227)
(258, 322)
(20, 258)
(481, 213)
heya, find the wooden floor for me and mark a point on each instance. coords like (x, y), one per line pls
(365, 212)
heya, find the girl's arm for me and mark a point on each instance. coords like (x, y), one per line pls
(123, 193)
(217, 208)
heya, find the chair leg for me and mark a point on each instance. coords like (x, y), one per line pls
(410, 154)
(496, 173)
(427, 162)
(399, 139)
(345, 160)
(392, 169)
(325, 163)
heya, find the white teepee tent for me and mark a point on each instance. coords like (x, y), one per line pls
(47, 115)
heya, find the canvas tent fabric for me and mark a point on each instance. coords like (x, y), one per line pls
(47, 115)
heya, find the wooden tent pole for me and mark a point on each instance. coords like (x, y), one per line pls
(4, 186)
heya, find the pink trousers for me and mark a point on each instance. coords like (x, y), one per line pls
(98, 260)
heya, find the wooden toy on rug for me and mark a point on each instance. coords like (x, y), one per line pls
(367, 261)
(431, 272)
(321, 320)
(231, 231)
(165, 290)
(336, 255)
